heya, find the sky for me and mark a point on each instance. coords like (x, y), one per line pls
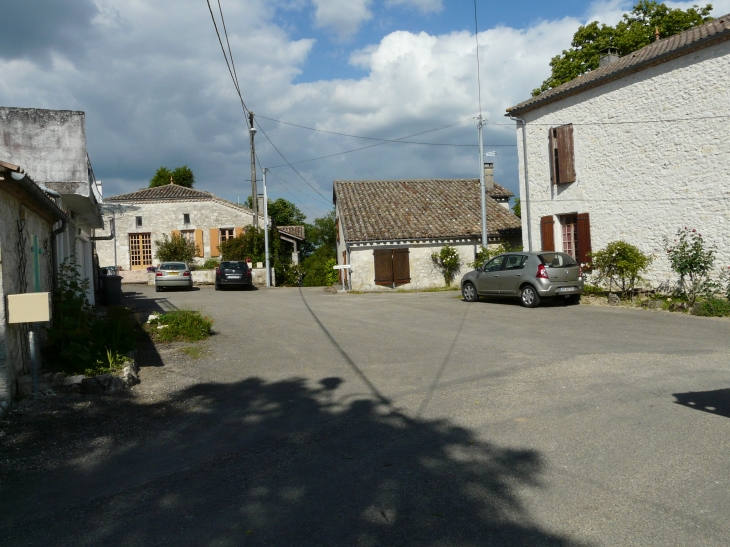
(153, 82)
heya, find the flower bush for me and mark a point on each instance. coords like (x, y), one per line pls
(449, 262)
(692, 259)
(619, 264)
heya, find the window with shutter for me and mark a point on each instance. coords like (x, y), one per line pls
(583, 222)
(561, 154)
(401, 266)
(547, 233)
(383, 266)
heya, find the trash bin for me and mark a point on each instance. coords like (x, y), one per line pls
(113, 289)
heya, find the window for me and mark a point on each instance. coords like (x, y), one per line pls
(186, 218)
(140, 251)
(494, 265)
(188, 235)
(561, 153)
(138, 222)
(225, 234)
(570, 234)
(392, 266)
(557, 260)
(515, 262)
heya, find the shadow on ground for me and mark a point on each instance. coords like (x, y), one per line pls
(714, 402)
(257, 463)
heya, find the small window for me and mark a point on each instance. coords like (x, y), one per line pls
(188, 235)
(569, 225)
(494, 265)
(225, 234)
(515, 262)
(139, 222)
(186, 218)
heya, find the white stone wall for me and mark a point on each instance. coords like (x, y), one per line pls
(163, 218)
(424, 273)
(641, 181)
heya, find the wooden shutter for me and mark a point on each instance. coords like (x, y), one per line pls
(552, 154)
(176, 233)
(547, 233)
(238, 231)
(383, 259)
(214, 239)
(584, 238)
(199, 249)
(401, 266)
(566, 162)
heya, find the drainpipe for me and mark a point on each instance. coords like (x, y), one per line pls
(57, 232)
(527, 180)
(112, 224)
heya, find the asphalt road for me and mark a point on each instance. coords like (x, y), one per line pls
(321, 419)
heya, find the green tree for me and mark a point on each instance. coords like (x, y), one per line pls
(517, 208)
(320, 252)
(692, 259)
(322, 232)
(621, 265)
(182, 176)
(635, 30)
(283, 212)
(175, 249)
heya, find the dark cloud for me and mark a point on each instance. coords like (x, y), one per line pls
(34, 28)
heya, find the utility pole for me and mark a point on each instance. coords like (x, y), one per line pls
(266, 232)
(254, 190)
(480, 124)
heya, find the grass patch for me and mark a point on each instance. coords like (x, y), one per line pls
(182, 326)
(712, 307)
(194, 352)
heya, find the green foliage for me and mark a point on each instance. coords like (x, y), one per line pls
(449, 262)
(318, 268)
(712, 307)
(182, 326)
(633, 32)
(724, 282)
(517, 208)
(175, 249)
(485, 254)
(182, 176)
(692, 259)
(210, 264)
(282, 212)
(81, 341)
(251, 244)
(619, 264)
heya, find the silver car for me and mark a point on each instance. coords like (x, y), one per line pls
(530, 277)
(173, 274)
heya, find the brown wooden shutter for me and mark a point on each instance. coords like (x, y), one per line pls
(552, 151)
(214, 242)
(566, 155)
(176, 233)
(199, 248)
(584, 238)
(238, 231)
(547, 233)
(383, 266)
(401, 266)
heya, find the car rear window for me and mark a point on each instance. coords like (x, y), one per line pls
(557, 260)
(233, 265)
(174, 266)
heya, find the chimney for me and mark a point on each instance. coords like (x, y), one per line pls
(608, 56)
(489, 176)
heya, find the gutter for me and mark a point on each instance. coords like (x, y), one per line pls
(527, 180)
(112, 226)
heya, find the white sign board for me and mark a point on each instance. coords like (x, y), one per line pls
(344, 267)
(33, 307)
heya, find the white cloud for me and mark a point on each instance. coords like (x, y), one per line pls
(343, 18)
(425, 6)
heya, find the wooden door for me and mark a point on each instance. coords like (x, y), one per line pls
(140, 251)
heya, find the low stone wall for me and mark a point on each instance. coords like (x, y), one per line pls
(134, 276)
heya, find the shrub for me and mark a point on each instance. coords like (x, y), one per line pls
(182, 326)
(175, 249)
(449, 262)
(692, 259)
(210, 264)
(485, 254)
(712, 307)
(318, 268)
(620, 264)
(724, 282)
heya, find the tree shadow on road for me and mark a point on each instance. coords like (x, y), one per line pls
(257, 463)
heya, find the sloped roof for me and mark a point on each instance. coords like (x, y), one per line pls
(385, 210)
(658, 52)
(294, 231)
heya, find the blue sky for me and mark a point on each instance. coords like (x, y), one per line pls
(152, 80)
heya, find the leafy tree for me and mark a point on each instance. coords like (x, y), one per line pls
(621, 264)
(318, 268)
(692, 259)
(448, 261)
(323, 232)
(635, 30)
(175, 249)
(182, 176)
(283, 212)
(517, 208)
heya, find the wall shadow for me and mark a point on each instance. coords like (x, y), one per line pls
(714, 402)
(259, 463)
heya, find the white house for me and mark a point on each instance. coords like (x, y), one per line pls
(387, 230)
(632, 151)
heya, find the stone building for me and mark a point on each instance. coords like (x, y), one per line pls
(27, 218)
(388, 230)
(143, 217)
(632, 151)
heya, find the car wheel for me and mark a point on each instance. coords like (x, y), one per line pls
(469, 292)
(573, 300)
(529, 297)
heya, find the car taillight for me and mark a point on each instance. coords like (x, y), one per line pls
(217, 271)
(158, 274)
(542, 272)
(580, 271)
(186, 274)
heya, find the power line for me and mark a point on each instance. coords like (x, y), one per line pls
(308, 196)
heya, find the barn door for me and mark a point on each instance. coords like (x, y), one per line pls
(383, 266)
(401, 266)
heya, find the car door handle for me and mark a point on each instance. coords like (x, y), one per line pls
(518, 275)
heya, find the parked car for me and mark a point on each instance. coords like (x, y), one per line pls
(232, 273)
(173, 274)
(531, 277)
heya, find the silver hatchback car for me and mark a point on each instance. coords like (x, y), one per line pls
(530, 277)
(173, 274)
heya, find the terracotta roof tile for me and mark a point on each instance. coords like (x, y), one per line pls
(419, 209)
(655, 53)
(167, 192)
(295, 231)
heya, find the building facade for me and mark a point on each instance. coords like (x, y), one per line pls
(388, 230)
(632, 151)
